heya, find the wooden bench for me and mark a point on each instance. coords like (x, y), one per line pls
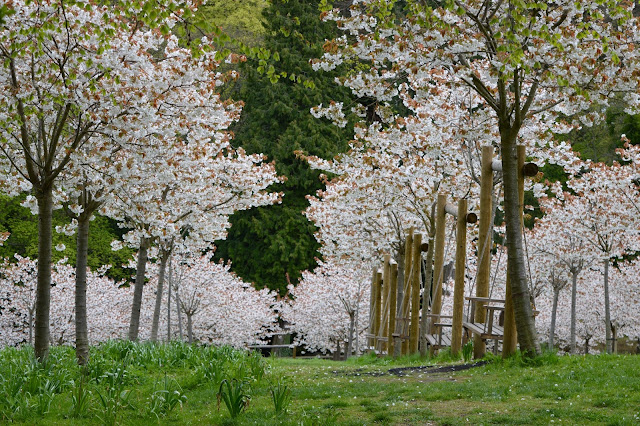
(438, 340)
(488, 330)
(272, 347)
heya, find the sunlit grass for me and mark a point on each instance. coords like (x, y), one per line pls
(602, 389)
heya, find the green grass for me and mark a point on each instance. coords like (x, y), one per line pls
(178, 384)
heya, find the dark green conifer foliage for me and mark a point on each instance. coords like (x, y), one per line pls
(270, 246)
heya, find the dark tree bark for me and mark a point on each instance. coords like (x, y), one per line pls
(352, 326)
(164, 258)
(82, 245)
(554, 310)
(141, 266)
(607, 309)
(44, 197)
(525, 325)
(190, 327)
(574, 292)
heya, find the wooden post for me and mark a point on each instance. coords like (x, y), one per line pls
(373, 297)
(393, 293)
(458, 290)
(415, 293)
(377, 309)
(438, 262)
(386, 281)
(510, 340)
(406, 300)
(484, 244)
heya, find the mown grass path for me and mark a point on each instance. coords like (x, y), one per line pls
(568, 390)
(573, 390)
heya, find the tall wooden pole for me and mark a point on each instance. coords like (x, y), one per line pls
(377, 309)
(393, 293)
(404, 311)
(484, 244)
(438, 262)
(510, 340)
(372, 308)
(415, 293)
(458, 289)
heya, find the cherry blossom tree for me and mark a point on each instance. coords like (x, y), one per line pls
(524, 62)
(329, 306)
(107, 304)
(188, 202)
(561, 249)
(219, 307)
(72, 72)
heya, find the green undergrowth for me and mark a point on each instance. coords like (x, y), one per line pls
(139, 384)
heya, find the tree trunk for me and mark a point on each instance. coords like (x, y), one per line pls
(525, 324)
(177, 297)
(352, 322)
(141, 266)
(426, 293)
(82, 246)
(574, 293)
(189, 327)
(554, 309)
(44, 197)
(607, 311)
(169, 300)
(164, 257)
(31, 313)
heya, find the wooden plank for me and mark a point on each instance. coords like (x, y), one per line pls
(438, 341)
(479, 329)
(270, 346)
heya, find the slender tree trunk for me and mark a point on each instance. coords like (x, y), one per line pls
(141, 266)
(574, 293)
(169, 299)
(607, 311)
(554, 310)
(44, 197)
(82, 246)
(189, 327)
(177, 297)
(164, 257)
(31, 313)
(525, 324)
(352, 322)
(428, 289)
(357, 320)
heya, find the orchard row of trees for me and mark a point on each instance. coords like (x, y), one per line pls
(105, 110)
(206, 303)
(478, 73)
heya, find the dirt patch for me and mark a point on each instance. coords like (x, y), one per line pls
(406, 371)
(429, 369)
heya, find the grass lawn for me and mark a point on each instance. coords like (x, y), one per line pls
(180, 386)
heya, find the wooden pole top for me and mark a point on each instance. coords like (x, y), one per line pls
(452, 209)
(529, 169)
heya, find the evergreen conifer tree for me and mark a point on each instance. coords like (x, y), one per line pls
(272, 245)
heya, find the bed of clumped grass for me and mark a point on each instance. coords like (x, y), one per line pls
(133, 383)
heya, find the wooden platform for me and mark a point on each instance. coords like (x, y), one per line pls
(490, 329)
(438, 341)
(481, 329)
(272, 347)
